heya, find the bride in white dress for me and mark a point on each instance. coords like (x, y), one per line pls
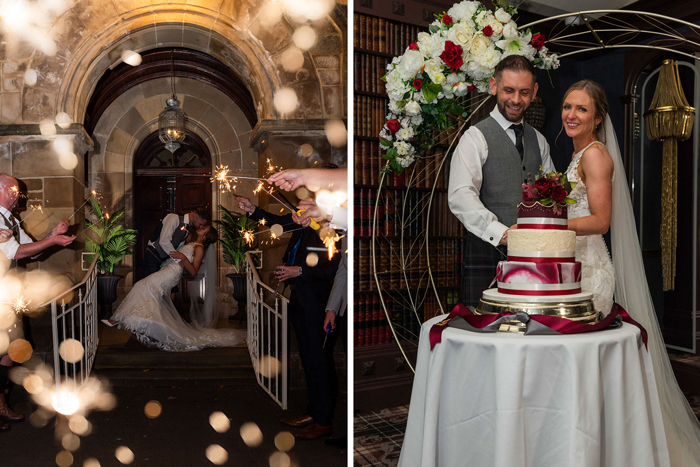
(603, 202)
(149, 313)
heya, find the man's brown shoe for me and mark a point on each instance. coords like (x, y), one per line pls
(7, 414)
(314, 431)
(299, 422)
(4, 426)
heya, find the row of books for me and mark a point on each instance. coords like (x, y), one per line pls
(394, 213)
(406, 264)
(426, 172)
(371, 326)
(369, 70)
(383, 36)
(370, 115)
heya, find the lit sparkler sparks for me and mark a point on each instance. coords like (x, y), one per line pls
(329, 237)
(248, 236)
(35, 208)
(262, 221)
(21, 305)
(258, 188)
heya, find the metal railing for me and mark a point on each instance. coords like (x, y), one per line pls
(267, 334)
(77, 320)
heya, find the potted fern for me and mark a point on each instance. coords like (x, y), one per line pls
(110, 241)
(234, 247)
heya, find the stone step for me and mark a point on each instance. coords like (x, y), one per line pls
(149, 358)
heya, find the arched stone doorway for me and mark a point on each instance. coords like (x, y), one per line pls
(166, 182)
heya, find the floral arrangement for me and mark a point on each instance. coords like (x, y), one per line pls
(458, 55)
(550, 188)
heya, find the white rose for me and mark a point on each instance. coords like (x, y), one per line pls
(497, 29)
(411, 63)
(454, 78)
(405, 161)
(461, 34)
(393, 107)
(462, 89)
(478, 71)
(386, 134)
(417, 119)
(403, 148)
(510, 31)
(482, 86)
(433, 68)
(406, 122)
(412, 108)
(502, 16)
(480, 44)
(431, 46)
(489, 58)
(484, 18)
(463, 11)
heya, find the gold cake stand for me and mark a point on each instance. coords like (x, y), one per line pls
(579, 311)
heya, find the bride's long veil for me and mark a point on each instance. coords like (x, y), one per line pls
(203, 287)
(632, 292)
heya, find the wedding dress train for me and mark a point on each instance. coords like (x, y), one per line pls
(149, 313)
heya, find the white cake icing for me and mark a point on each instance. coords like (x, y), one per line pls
(541, 240)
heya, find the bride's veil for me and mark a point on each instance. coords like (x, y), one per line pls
(203, 288)
(632, 292)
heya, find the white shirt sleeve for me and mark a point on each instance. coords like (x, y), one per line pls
(340, 217)
(466, 178)
(170, 223)
(547, 163)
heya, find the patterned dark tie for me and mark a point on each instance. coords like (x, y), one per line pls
(518, 129)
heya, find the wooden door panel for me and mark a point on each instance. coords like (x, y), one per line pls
(150, 206)
(192, 192)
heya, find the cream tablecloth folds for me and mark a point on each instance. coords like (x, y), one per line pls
(509, 400)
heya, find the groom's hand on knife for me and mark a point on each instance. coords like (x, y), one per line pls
(504, 238)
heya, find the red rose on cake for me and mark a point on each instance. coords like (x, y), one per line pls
(559, 193)
(544, 186)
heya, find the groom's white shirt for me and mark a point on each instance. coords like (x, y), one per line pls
(170, 223)
(466, 178)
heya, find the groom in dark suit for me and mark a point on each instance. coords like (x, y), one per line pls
(172, 231)
(492, 160)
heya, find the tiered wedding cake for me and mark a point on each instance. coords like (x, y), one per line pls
(541, 275)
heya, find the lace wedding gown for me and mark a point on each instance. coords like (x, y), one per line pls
(597, 272)
(150, 315)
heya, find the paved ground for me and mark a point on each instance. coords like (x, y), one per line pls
(181, 434)
(178, 437)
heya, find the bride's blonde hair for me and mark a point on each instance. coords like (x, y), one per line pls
(600, 102)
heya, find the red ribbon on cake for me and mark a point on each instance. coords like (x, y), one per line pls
(539, 293)
(542, 259)
(543, 226)
(555, 324)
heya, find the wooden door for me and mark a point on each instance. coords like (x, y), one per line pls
(151, 204)
(192, 192)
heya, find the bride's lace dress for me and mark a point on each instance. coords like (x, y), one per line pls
(150, 315)
(597, 271)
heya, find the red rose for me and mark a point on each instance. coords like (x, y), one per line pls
(447, 20)
(393, 125)
(558, 193)
(413, 46)
(452, 55)
(488, 31)
(537, 41)
(471, 87)
(544, 186)
(417, 84)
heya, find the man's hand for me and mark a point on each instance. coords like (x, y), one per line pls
(330, 318)
(63, 240)
(311, 210)
(300, 219)
(245, 204)
(504, 238)
(177, 255)
(288, 180)
(59, 229)
(282, 273)
(5, 235)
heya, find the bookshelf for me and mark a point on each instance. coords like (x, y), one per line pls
(403, 229)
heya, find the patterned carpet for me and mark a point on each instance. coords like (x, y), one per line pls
(378, 437)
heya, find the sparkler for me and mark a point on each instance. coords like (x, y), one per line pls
(225, 180)
(329, 239)
(35, 208)
(93, 194)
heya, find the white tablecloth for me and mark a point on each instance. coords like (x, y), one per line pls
(509, 400)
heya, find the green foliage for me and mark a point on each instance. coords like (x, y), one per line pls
(232, 226)
(107, 238)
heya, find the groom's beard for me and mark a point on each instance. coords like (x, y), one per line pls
(510, 117)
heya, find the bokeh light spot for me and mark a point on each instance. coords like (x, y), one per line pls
(336, 133)
(124, 455)
(220, 422)
(70, 442)
(284, 441)
(64, 459)
(304, 37)
(311, 259)
(216, 454)
(280, 459)
(20, 350)
(251, 434)
(153, 409)
(277, 229)
(269, 366)
(71, 350)
(286, 100)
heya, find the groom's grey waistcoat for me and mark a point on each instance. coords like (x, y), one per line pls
(178, 237)
(504, 172)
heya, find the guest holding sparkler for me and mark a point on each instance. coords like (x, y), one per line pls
(310, 277)
(16, 244)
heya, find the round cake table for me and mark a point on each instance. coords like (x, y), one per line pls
(510, 400)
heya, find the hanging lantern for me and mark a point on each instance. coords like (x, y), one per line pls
(669, 119)
(171, 125)
(171, 121)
